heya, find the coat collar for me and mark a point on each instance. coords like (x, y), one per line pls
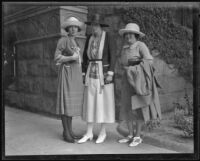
(131, 46)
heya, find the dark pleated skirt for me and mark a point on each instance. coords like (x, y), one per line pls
(70, 90)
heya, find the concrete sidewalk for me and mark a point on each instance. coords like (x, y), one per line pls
(28, 133)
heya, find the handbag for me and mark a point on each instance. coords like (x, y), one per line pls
(109, 96)
(132, 62)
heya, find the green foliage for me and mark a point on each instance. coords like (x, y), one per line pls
(183, 116)
(152, 124)
(172, 40)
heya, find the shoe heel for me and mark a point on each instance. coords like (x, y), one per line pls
(135, 143)
(86, 139)
(100, 141)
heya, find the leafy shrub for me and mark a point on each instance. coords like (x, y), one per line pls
(173, 41)
(152, 124)
(183, 116)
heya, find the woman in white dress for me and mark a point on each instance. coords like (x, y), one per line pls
(98, 63)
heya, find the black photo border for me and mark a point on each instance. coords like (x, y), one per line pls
(196, 92)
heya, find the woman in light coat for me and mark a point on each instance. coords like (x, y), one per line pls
(136, 105)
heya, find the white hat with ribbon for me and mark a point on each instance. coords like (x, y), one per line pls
(131, 28)
(72, 21)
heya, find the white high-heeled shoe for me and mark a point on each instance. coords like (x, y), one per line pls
(101, 138)
(126, 139)
(136, 141)
(85, 138)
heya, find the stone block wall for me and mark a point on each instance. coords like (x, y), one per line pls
(37, 74)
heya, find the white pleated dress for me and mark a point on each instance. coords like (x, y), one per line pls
(99, 105)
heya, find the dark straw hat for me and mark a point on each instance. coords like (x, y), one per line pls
(97, 19)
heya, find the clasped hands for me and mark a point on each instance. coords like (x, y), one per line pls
(108, 79)
(75, 56)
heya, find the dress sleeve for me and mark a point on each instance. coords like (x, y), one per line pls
(68, 50)
(85, 57)
(144, 51)
(112, 52)
(118, 64)
(59, 49)
(62, 47)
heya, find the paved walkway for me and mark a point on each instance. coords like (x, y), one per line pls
(28, 133)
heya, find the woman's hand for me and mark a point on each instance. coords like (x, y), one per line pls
(108, 79)
(75, 56)
(77, 49)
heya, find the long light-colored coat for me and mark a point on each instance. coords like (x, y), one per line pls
(142, 78)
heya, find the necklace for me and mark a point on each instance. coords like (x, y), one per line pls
(72, 42)
(95, 45)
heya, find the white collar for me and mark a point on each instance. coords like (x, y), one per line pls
(131, 46)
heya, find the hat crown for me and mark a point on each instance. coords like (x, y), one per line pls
(132, 26)
(72, 19)
(97, 18)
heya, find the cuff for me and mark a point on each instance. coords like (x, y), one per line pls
(110, 73)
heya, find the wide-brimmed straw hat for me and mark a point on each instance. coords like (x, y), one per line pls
(72, 21)
(131, 28)
(97, 19)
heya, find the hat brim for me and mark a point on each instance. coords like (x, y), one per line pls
(101, 24)
(72, 23)
(123, 31)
